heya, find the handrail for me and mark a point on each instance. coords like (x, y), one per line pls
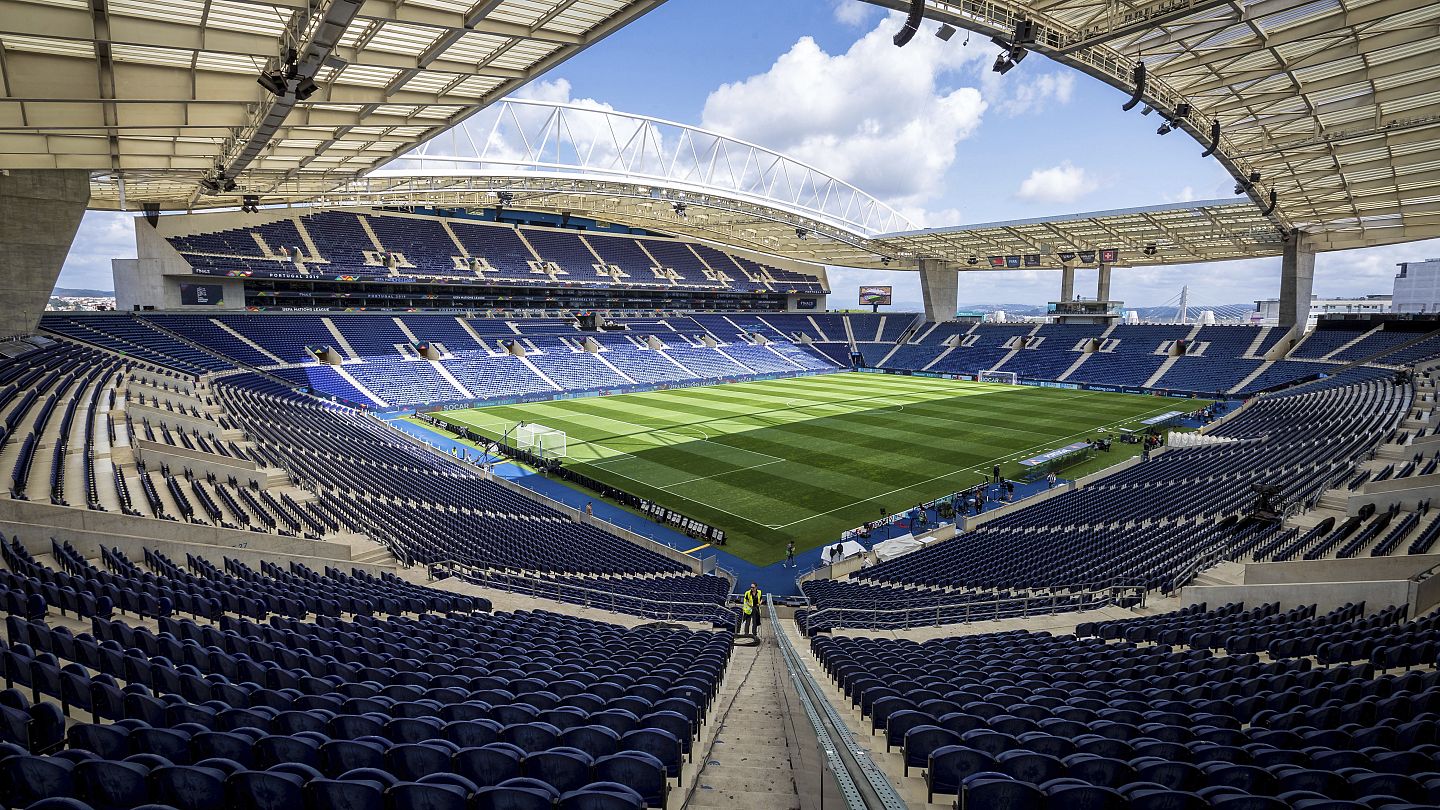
(979, 611)
(863, 784)
(588, 597)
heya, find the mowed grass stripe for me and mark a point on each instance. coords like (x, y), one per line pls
(806, 458)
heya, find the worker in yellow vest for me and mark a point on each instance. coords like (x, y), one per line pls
(750, 606)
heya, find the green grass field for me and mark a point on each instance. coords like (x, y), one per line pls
(807, 458)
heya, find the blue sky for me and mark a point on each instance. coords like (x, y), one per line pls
(928, 127)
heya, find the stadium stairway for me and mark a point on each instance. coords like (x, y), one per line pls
(749, 761)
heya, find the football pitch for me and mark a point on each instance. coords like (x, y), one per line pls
(807, 458)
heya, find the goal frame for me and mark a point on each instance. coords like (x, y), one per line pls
(1001, 377)
(545, 442)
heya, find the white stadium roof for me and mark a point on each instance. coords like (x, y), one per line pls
(1334, 104)
(158, 94)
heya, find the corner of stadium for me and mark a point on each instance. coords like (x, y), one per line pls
(545, 471)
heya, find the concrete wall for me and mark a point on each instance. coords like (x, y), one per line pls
(57, 519)
(1326, 596)
(153, 279)
(1358, 569)
(1408, 492)
(174, 419)
(40, 210)
(940, 289)
(38, 538)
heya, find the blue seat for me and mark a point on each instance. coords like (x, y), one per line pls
(187, 787)
(991, 792)
(602, 796)
(950, 765)
(334, 794)
(595, 740)
(1180, 776)
(1085, 797)
(108, 785)
(339, 756)
(487, 765)
(659, 744)
(274, 749)
(1027, 766)
(265, 790)
(564, 769)
(172, 744)
(108, 742)
(25, 780)
(470, 733)
(920, 741)
(412, 761)
(418, 796)
(1162, 799)
(503, 797)
(531, 737)
(638, 771)
(1249, 803)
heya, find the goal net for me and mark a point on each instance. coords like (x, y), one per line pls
(1004, 377)
(542, 441)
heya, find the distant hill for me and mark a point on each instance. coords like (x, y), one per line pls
(1008, 309)
(67, 292)
(1223, 312)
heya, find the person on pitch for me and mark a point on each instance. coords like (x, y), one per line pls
(790, 554)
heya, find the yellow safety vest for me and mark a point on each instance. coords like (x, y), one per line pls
(752, 601)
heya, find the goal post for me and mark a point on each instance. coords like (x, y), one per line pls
(543, 441)
(1002, 377)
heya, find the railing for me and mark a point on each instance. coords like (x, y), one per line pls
(862, 784)
(1195, 565)
(966, 612)
(569, 592)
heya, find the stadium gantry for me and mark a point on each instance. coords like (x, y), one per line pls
(431, 478)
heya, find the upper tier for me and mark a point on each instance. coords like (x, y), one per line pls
(385, 246)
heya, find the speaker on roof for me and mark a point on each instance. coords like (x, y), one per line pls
(912, 24)
(1139, 76)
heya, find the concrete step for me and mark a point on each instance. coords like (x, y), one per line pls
(749, 763)
(747, 799)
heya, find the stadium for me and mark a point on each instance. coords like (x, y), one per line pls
(427, 407)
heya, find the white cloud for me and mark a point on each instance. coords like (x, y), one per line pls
(103, 235)
(877, 116)
(1058, 184)
(1041, 94)
(853, 12)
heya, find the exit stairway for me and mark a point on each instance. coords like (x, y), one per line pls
(749, 763)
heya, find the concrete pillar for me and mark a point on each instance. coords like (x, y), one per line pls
(1067, 282)
(940, 287)
(1102, 283)
(1297, 278)
(40, 211)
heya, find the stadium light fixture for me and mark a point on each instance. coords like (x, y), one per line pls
(274, 81)
(1163, 129)
(679, 209)
(945, 32)
(1146, 110)
(1002, 65)
(801, 233)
